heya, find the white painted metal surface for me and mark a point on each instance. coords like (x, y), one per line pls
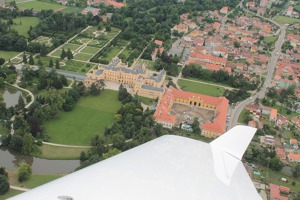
(167, 168)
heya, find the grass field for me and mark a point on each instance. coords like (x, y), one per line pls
(22, 24)
(146, 100)
(286, 20)
(34, 180)
(53, 152)
(72, 47)
(201, 88)
(71, 10)
(83, 57)
(243, 116)
(89, 117)
(9, 194)
(76, 66)
(8, 54)
(39, 5)
(90, 50)
(271, 39)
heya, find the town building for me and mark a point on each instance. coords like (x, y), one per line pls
(267, 140)
(209, 129)
(276, 192)
(293, 157)
(94, 11)
(141, 83)
(290, 11)
(224, 10)
(294, 143)
(280, 153)
(181, 28)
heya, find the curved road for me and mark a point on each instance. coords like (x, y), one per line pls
(272, 65)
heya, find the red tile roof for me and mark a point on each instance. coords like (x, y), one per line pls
(221, 103)
(158, 42)
(275, 192)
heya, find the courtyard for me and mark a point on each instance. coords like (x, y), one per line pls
(186, 114)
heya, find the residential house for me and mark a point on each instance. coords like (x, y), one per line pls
(276, 192)
(280, 153)
(293, 157)
(294, 143)
(289, 11)
(267, 140)
(181, 28)
(224, 10)
(252, 124)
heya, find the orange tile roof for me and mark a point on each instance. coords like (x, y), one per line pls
(158, 42)
(293, 140)
(115, 4)
(273, 113)
(294, 156)
(208, 57)
(275, 192)
(219, 123)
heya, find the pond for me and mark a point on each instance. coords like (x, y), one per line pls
(10, 96)
(11, 160)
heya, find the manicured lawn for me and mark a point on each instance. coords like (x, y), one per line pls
(286, 20)
(57, 153)
(71, 10)
(39, 5)
(89, 50)
(22, 24)
(72, 47)
(146, 100)
(76, 66)
(201, 88)
(3, 130)
(83, 57)
(283, 111)
(34, 180)
(8, 54)
(243, 116)
(9, 194)
(89, 117)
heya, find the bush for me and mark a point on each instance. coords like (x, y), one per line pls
(24, 172)
(4, 185)
(103, 61)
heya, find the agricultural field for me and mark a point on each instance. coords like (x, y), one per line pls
(22, 24)
(90, 117)
(201, 88)
(40, 5)
(8, 54)
(286, 20)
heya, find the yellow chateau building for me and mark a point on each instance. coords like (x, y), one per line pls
(137, 78)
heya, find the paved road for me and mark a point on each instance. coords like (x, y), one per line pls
(271, 68)
(68, 74)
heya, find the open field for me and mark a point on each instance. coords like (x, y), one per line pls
(53, 152)
(271, 39)
(8, 54)
(39, 5)
(201, 88)
(34, 180)
(9, 194)
(22, 24)
(71, 10)
(90, 117)
(286, 20)
(70, 46)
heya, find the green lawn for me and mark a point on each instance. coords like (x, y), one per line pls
(8, 54)
(286, 20)
(71, 10)
(243, 116)
(9, 194)
(201, 88)
(89, 117)
(283, 111)
(146, 100)
(22, 24)
(83, 57)
(70, 46)
(53, 152)
(271, 39)
(39, 5)
(76, 66)
(90, 50)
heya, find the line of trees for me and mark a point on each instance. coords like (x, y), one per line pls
(237, 81)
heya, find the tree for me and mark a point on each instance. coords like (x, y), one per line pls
(196, 126)
(24, 172)
(28, 144)
(63, 54)
(97, 87)
(16, 142)
(43, 50)
(50, 63)
(108, 28)
(118, 141)
(57, 64)
(2, 61)
(111, 152)
(276, 164)
(236, 44)
(31, 60)
(24, 58)
(21, 103)
(296, 171)
(69, 54)
(4, 185)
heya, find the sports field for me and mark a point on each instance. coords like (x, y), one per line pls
(39, 5)
(201, 88)
(22, 24)
(89, 117)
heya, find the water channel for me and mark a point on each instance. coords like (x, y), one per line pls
(11, 160)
